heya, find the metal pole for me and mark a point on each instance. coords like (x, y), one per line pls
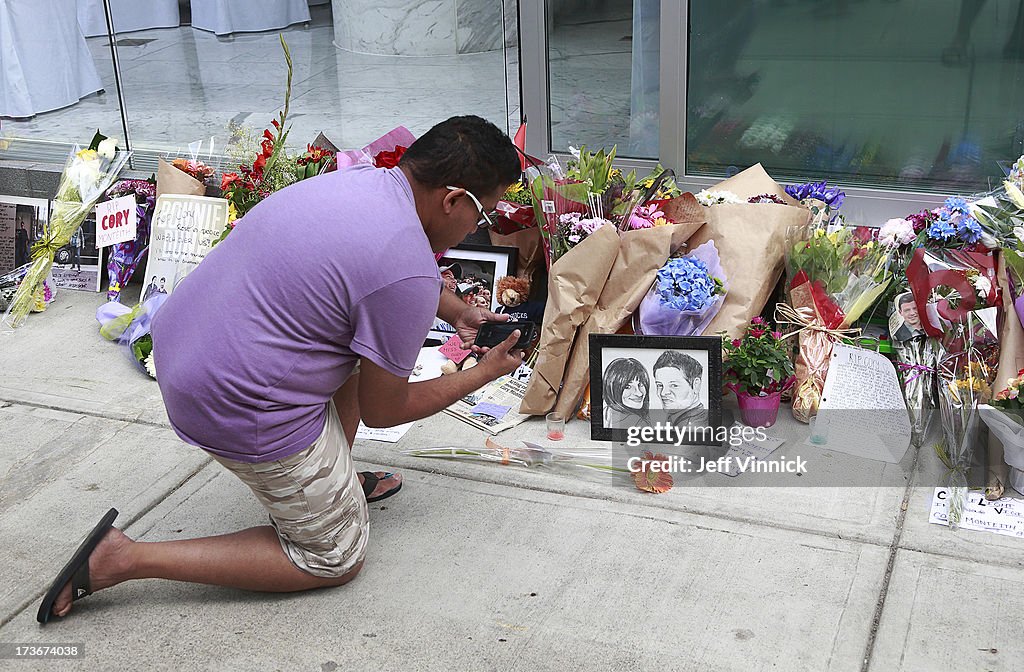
(117, 79)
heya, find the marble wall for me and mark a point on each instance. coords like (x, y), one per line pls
(423, 27)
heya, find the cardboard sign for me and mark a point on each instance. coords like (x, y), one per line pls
(184, 228)
(116, 221)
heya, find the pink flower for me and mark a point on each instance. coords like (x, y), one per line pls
(896, 232)
(736, 342)
(757, 320)
(777, 335)
(758, 332)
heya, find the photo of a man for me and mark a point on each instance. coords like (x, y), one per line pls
(450, 276)
(677, 382)
(150, 290)
(909, 317)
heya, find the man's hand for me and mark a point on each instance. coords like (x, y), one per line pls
(468, 323)
(502, 359)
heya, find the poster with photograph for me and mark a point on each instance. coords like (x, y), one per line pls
(641, 381)
(472, 272)
(21, 224)
(183, 231)
(905, 321)
(78, 265)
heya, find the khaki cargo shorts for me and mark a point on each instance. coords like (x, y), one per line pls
(315, 502)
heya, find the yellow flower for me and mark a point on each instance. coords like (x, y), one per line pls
(232, 212)
(87, 154)
(661, 221)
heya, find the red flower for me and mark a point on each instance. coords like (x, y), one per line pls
(757, 320)
(389, 159)
(736, 342)
(276, 124)
(758, 332)
(268, 148)
(268, 135)
(228, 179)
(259, 164)
(653, 481)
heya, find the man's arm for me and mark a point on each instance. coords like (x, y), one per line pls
(386, 400)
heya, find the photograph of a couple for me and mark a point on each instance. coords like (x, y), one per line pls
(641, 381)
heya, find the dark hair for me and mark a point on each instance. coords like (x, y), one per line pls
(905, 299)
(691, 368)
(617, 377)
(467, 152)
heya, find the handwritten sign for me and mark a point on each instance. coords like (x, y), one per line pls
(184, 229)
(1004, 516)
(452, 349)
(862, 406)
(116, 221)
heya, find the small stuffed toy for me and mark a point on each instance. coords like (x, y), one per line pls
(513, 291)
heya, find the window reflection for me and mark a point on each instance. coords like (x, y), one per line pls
(888, 93)
(603, 61)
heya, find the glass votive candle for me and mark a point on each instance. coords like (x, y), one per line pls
(819, 429)
(556, 426)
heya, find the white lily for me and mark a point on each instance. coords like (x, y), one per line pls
(107, 148)
(1015, 194)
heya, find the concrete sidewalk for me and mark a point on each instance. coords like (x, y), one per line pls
(479, 567)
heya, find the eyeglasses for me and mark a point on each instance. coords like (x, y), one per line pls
(485, 220)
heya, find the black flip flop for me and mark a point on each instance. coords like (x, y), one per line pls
(370, 482)
(77, 570)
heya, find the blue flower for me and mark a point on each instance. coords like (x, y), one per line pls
(970, 230)
(941, 230)
(685, 284)
(833, 197)
(957, 206)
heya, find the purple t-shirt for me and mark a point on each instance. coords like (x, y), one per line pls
(254, 342)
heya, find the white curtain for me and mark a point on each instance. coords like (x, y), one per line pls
(128, 15)
(44, 61)
(224, 17)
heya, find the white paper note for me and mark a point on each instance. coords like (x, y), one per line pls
(1004, 516)
(862, 410)
(386, 434)
(754, 451)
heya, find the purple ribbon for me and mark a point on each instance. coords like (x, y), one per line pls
(920, 368)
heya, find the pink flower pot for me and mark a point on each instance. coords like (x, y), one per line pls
(759, 411)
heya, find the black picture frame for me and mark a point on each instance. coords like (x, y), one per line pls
(645, 351)
(477, 259)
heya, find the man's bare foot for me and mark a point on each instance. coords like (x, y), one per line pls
(388, 482)
(109, 565)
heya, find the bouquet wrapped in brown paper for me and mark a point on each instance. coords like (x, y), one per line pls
(575, 281)
(641, 253)
(171, 180)
(749, 229)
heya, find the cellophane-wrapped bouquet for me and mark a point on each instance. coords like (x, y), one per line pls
(687, 294)
(836, 273)
(88, 173)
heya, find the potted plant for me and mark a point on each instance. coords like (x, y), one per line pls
(758, 371)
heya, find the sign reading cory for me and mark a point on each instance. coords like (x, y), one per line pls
(116, 221)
